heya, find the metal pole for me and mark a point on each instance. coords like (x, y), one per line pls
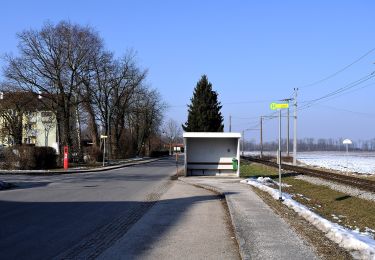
(103, 151)
(287, 135)
(261, 137)
(243, 142)
(230, 123)
(108, 133)
(280, 194)
(347, 153)
(295, 128)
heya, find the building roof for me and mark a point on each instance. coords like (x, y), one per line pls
(211, 135)
(27, 101)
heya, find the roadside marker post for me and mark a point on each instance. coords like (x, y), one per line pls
(279, 106)
(66, 158)
(347, 142)
(103, 137)
(177, 149)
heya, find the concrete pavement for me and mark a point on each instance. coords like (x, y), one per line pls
(261, 233)
(77, 215)
(187, 223)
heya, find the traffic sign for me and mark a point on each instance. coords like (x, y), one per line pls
(103, 136)
(275, 106)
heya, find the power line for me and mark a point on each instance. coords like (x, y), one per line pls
(349, 111)
(231, 103)
(342, 90)
(337, 72)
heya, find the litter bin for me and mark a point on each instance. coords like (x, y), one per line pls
(235, 164)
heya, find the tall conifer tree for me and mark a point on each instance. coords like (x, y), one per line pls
(204, 110)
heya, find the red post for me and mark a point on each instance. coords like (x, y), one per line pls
(66, 160)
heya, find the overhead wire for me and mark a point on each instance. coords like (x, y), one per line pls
(339, 71)
(348, 110)
(342, 90)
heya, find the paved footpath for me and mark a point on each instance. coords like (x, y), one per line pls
(261, 233)
(186, 223)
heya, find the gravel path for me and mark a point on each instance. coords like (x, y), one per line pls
(355, 192)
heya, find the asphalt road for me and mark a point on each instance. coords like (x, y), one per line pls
(78, 215)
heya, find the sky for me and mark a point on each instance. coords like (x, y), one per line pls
(253, 52)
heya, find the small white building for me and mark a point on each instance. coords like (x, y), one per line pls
(209, 153)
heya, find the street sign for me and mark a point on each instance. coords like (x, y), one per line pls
(103, 136)
(275, 106)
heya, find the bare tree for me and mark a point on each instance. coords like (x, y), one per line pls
(52, 62)
(172, 131)
(77, 78)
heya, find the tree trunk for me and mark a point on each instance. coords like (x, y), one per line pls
(93, 127)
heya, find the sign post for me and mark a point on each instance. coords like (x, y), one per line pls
(103, 137)
(66, 158)
(177, 150)
(276, 106)
(347, 142)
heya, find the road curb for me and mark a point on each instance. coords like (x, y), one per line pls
(243, 250)
(72, 171)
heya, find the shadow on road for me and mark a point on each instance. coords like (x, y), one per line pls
(71, 230)
(26, 185)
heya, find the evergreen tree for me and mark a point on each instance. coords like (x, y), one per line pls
(204, 110)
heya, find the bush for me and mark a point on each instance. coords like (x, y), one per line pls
(93, 154)
(45, 157)
(30, 157)
(159, 153)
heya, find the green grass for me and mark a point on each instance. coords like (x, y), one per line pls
(353, 211)
(256, 170)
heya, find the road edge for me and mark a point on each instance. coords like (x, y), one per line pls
(72, 171)
(244, 254)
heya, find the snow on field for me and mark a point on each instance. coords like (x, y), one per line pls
(360, 162)
(361, 243)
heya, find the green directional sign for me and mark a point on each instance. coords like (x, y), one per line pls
(275, 106)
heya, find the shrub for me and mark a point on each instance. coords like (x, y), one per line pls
(30, 157)
(93, 154)
(159, 153)
(45, 157)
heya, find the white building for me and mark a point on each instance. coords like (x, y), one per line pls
(25, 119)
(212, 153)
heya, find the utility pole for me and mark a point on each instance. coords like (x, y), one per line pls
(295, 128)
(287, 134)
(230, 123)
(261, 137)
(279, 155)
(287, 126)
(243, 142)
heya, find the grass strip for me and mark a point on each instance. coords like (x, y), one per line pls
(348, 211)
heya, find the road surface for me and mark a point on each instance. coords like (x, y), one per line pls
(77, 215)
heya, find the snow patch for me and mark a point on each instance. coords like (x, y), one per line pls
(358, 162)
(363, 245)
(268, 181)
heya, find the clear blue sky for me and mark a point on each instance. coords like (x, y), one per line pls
(253, 52)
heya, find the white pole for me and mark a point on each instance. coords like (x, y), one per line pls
(230, 123)
(347, 154)
(261, 137)
(103, 151)
(280, 194)
(243, 143)
(287, 135)
(295, 128)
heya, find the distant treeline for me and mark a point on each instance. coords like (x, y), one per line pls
(312, 144)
